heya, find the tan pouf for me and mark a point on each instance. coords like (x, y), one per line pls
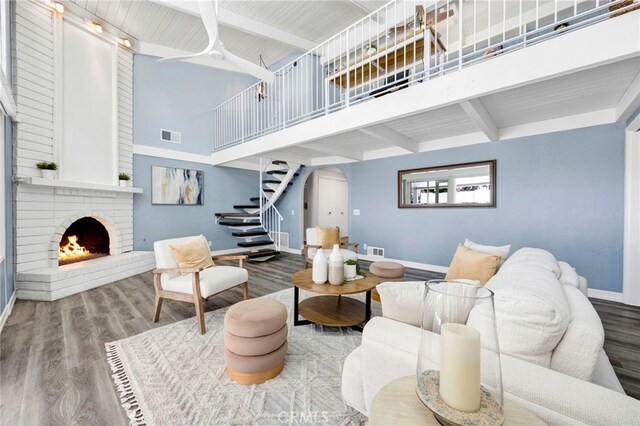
(255, 340)
(392, 271)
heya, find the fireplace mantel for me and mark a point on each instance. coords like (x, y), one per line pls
(55, 183)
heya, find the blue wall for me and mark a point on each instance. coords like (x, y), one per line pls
(180, 96)
(560, 191)
(223, 187)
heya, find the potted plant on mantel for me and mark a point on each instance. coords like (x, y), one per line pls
(123, 179)
(47, 169)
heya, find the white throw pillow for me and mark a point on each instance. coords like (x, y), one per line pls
(403, 301)
(502, 251)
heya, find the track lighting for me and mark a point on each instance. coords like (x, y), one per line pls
(98, 28)
(59, 7)
(126, 42)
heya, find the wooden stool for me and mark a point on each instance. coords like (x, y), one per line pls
(391, 271)
(255, 340)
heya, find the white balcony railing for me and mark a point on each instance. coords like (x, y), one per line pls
(403, 43)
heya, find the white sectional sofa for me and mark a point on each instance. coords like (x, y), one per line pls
(551, 340)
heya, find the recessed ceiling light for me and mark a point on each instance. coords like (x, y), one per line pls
(59, 8)
(98, 28)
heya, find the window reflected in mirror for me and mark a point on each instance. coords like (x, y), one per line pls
(455, 185)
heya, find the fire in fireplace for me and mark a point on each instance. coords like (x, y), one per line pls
(85, 239)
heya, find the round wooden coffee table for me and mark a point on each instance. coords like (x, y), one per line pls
(331, 308)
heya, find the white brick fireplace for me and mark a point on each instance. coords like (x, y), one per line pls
(86, 130)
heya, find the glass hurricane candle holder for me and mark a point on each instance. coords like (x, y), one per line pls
(459, 377)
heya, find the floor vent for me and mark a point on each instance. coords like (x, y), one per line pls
(375, 251)
(170, 136)
(284, 239)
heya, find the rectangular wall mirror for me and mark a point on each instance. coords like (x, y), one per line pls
(454, 185)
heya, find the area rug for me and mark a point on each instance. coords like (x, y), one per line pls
(172, 376)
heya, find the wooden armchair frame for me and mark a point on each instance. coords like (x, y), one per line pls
(196, 297)
(308, 261)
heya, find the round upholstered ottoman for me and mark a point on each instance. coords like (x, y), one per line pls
(392, 271)
(255, 340)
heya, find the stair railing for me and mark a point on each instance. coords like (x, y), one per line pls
(270, 217)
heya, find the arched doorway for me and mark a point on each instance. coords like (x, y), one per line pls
(326, 200)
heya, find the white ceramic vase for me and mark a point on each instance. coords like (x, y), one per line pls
(349, 272)
(319, 270)
(124, 183)
(336, 266)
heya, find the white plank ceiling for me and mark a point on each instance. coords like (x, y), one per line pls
(153, 23)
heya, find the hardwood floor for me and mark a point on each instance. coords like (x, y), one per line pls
(53, 366)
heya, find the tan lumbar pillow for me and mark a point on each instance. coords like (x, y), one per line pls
(192, 254)
(328, 237)
(472, 265)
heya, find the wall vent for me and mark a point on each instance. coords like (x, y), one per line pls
(375, 251)
(284, 239)
(170, 136)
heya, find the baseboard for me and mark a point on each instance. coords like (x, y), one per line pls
(7, 311)
(408, 264)
(611, 296)
(291, 250)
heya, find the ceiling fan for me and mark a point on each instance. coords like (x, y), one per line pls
(216, 50)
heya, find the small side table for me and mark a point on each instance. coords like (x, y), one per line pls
(398, 404)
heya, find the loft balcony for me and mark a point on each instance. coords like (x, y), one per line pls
(415, 74)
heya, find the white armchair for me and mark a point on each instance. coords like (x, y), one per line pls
(193, 285)
(313, 243)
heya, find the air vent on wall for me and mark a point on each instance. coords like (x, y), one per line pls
(375, 251)
(170, 136)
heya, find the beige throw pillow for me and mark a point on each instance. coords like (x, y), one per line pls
(192, 254)
(472, 265)
(328, 237)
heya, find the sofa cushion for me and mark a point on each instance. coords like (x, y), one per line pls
(192, 254)
(402, 301)
(346, 254)
(568, 275)
(472, 265)
(212, 280)
(529, 256)
(578, 352)
(532, 313)
(502, 251)
(328, 237)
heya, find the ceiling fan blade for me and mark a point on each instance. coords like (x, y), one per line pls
(210, 20)
(182, 58)
(254, 69)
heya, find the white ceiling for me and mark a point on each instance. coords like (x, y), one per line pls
(154, 23)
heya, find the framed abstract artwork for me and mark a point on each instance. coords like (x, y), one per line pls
(175, 186)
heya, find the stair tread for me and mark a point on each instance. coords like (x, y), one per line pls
(246, 206)
(254, 199)
(278, 162)
(281, 172)
(271, 190)
(275, 181)
(238, 223)
(235, 214)
(249, 233)
(255, 243)
(261, 253)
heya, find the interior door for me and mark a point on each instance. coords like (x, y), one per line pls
(333, 204)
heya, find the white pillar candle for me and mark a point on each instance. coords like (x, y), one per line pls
(460, 367)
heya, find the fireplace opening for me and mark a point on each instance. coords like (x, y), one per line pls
(84, 239)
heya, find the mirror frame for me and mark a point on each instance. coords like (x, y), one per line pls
(492, 180)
